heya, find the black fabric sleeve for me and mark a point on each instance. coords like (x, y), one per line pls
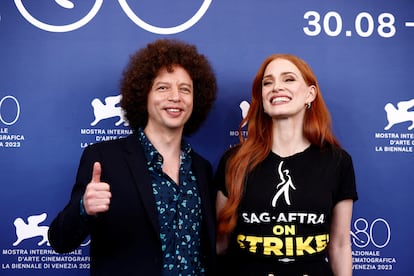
(220, 175)
(347, 184)
(68, 230)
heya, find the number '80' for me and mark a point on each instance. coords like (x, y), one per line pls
(377, 233)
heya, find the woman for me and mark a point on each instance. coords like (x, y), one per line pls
(145, 200)
(285, 194)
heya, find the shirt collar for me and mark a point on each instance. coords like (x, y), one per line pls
(152, 155)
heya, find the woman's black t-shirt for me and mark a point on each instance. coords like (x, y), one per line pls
(285, 213)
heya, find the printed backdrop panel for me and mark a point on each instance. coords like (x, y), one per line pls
(61, 63)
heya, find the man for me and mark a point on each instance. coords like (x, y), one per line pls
(146, 200)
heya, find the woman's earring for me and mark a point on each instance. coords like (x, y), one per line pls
(308, 105)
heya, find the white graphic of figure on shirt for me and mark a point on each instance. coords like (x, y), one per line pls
(285, 184)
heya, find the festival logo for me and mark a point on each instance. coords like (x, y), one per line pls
(31, 229)
(9, 117)
(165, 30)
(242, 110)
(396, 136)
(103, 113)
(66, 4)
(31, 249)
(69, 5)
(401, 114)
(109, 109)
(369, 239)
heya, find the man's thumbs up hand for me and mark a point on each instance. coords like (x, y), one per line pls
(97, 196)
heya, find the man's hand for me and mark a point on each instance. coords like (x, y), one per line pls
(97, 195)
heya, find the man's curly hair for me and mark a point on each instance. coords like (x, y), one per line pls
(143, 68)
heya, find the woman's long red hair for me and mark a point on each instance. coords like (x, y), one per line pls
(253, 150)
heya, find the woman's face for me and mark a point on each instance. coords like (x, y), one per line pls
(170, 101)
(284, 91)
